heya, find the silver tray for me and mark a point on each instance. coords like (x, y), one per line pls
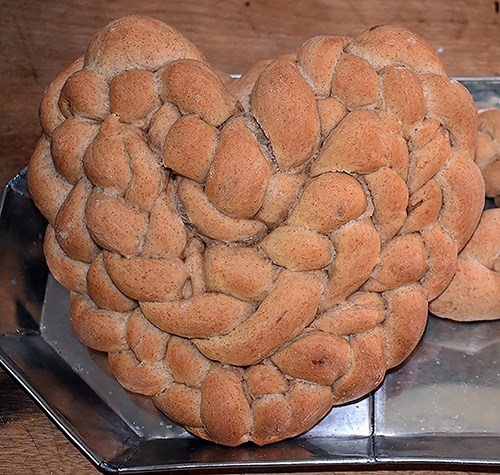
(441, 407)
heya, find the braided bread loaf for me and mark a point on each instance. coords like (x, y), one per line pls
(488, 151)
(250, 253)
(474, 292)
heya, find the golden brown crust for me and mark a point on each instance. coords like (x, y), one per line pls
(358, 314)
(48, 189)
(103, 292)
(239, 174)
(317, 58)
(132, 96)
(85, 95)
(69, 272)
(185, 156)
(355, 82)
(196, 89)
(70, 229)
(368, 354)
(201, 316)
(238, 271)
(474, 292)
(292, 131)
(181, 403)
(234, 428)
(297, 248)
(317, 356)
(137, 42)
(403, 96)
(265, 379)
(289, 307)
(251, 252)
(360, 144)
(50, 114)
(102, 330)
(70, 141)
(404, 323)
(488, 152)
(390, 200)
(357, 248)
(456, 199)
(387, 45)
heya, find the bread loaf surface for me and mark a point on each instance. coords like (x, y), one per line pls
(252, 252)
(474, 292)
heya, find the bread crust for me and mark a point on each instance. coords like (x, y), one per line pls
(251, 252)
(474, 292)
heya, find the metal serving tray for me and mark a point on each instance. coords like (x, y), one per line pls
(441, 407)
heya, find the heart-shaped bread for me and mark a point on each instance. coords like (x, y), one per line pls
(251, 252)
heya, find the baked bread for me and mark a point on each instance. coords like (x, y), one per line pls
(488, 151)
(249, 259)
(474, 292)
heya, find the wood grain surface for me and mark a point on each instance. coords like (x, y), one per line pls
(38, 38)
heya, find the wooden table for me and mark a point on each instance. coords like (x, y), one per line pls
(38, 38)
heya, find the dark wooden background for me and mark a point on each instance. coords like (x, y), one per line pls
(38, 38)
